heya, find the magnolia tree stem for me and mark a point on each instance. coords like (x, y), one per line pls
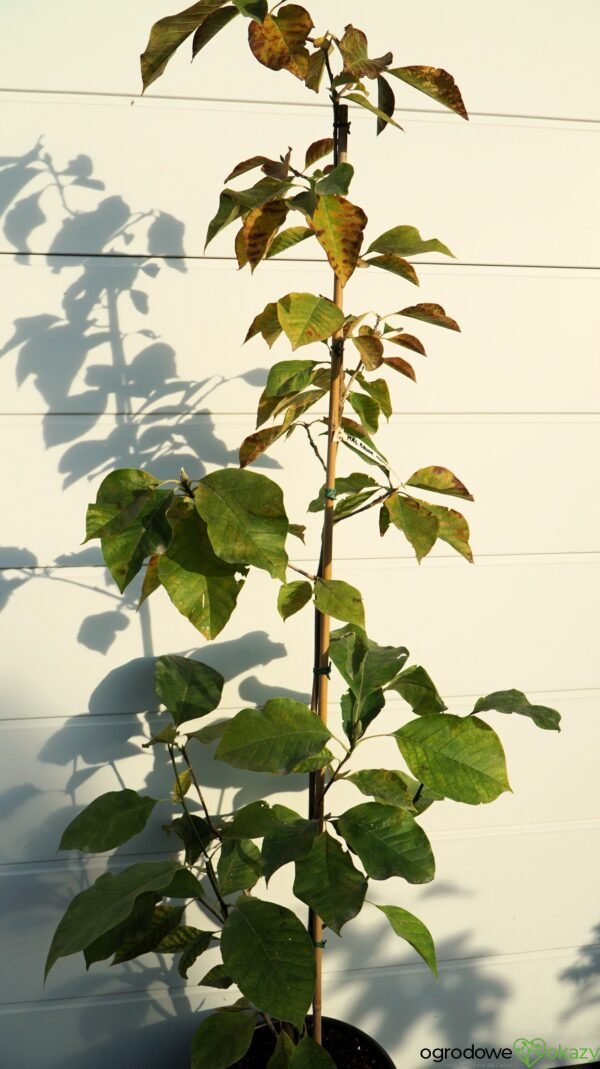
(322, 624)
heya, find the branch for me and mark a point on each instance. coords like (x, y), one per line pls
(301, 571)
(313, 446)
(212, 827)
(369, 505)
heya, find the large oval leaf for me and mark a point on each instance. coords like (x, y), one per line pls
(108, 821)
(188, 688)
(514, 701)
(306, 318)
(410, 928)
(333, 597)
(105, 904)
(222, 1039)
(436, 83)
(169, 33)
(415, 520)
(272, 739)
(328, 881)
(246, 518)
(388, 841)
(202, 586)
(461, 757)
(338, 226)
(406, 241)
(440, 481)
(269, 955)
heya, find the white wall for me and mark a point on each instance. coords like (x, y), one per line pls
(113, 359)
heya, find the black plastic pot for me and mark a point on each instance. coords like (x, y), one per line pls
(348, 1046)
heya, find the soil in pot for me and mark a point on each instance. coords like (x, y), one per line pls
(349, 1047)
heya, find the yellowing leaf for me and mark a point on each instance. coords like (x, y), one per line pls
(306, 318)
(267, 324)
(259, 227)
(436, 83)
(409, 342)
(397, 265)
(287, 239)
(182, 785)
(255, 444)
(430, 313)
(279, 43)
(317, 150)
(416, 521)
(439, 480)
(370, 349)
(339, 226)
(406, 241)
(398, 364)
(453, 529)
(364, 102)
(315, 69)
(354, 49)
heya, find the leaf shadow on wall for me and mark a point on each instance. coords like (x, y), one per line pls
(584, 975)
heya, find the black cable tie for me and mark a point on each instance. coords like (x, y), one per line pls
(323, 671)
(321, 944)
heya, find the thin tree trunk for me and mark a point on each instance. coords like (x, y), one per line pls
(322, 622)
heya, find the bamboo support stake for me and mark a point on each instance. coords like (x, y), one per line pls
(322, 630)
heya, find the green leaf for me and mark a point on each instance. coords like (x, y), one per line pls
(345, 484)
(227, 212)
(211, 26)
(367, 410)
(267, 324)
(216, 977)
(367, 668)
(461, 757)
(105, 904)
(435, 83)
(181, 937)
(223, 1038)
(355, 53)
(279, 43)
(309, 1055)
(188, 688)
(210, 733)
(384, 786)
(292, 597)
(333, 597)
(290, 840)
(192, 952)
(386, 102)
(195, 834)
(356, 716)
(358, 98)
(410, 928)
(252, 821)
(337, 181)
(426, 796)
(514, 701)
(202, 587)
(312, 764)
(163, 921)
(430, 313)
(388, 841)
(272, 739)
(338, 227)
(284, 1049)
(397, 265)
(253, 9)
(439, 480)
(269, 954)
(184, 885)
(168, 34)
(350, 503)
(239, 866)
(236, 202)
(329, 883)
(293, 235)
(406, 241)
(107, 822)
(379, 390)
(288, 377)
(306, 318)
(417, 688)
(151, 580)
(129, 518)
(246, 518)
(416, 521)
(137, 922)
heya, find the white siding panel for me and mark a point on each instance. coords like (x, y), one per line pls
(530, 340)
(552, 59)
(494, 207)
(97, 658)
(513, 466)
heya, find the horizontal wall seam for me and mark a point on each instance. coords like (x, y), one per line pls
(400, 418)
(289, 260)
(186, 98)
